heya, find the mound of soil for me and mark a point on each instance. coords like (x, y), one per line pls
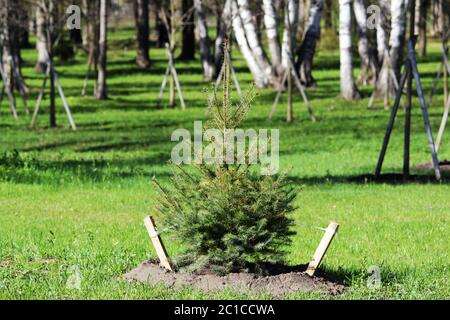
(278, 284)
(444, 165)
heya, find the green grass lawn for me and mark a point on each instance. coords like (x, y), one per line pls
(79, 198)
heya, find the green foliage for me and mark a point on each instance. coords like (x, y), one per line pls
(229, 218)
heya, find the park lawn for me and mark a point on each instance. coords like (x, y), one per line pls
(79, 198)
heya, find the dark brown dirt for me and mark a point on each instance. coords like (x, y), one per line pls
(444, 165)
(278, 284)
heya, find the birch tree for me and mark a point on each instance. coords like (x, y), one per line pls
(368, 68)
(102, 50)
(205, 54)
(421, 25)
(290, 32)
(348, 87)
(308, 47)
(397, 37)
(41, 40)
(384, 80)
(259, 76)
(271, 26)
(253, 40)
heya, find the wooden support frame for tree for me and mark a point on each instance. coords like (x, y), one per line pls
(157, 243)
(392, 77)
(322, 248)
(171, 71)
(7, 90)
(17, 81)
(300, 88)
(289, 74)
(445, 66)
(410, 72)
(52, 74)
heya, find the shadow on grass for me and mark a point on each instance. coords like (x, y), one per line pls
(388, 178)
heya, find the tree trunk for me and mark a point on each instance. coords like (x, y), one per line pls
(382, 29)
(142, 33)
(328, 16)
(290, 32)
(24, 35)
(253, 40)
(102, 50)
(437, 7)
(163, 33)
(397, 37)
(271, 25)
(10, 31)
(205, 54)
(384, 81)
(225, 20)
(348, 87)
(368, 68)
(41, 40)
(308, 47)
(239, 33)
(421, 25)
(188, 39)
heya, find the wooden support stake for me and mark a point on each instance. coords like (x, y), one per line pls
(40, 97)
(157, 243)
(322, 248)
(163, 86)
(12, 104)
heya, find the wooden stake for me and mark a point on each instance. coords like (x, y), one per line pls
(157, 243)
(322, 248)
(40, 97)
(12, 104)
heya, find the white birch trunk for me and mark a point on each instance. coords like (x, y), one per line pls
(290, 32)
(205, 55)
(367, 70)
(308, 48)
(397, 37)
(384, 80)
(239, 33)
(253, 39)
(271, 25)
(348, 88)
(41, 40)
(381, 28)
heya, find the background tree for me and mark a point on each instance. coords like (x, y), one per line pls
(271, 26)
(142, 33)
(224, 29)
(204, 41)
(102, 51)
(421, 25)
(188, 30)
(398, 33)
(308, 47)
(348, 87)
(368, 68)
